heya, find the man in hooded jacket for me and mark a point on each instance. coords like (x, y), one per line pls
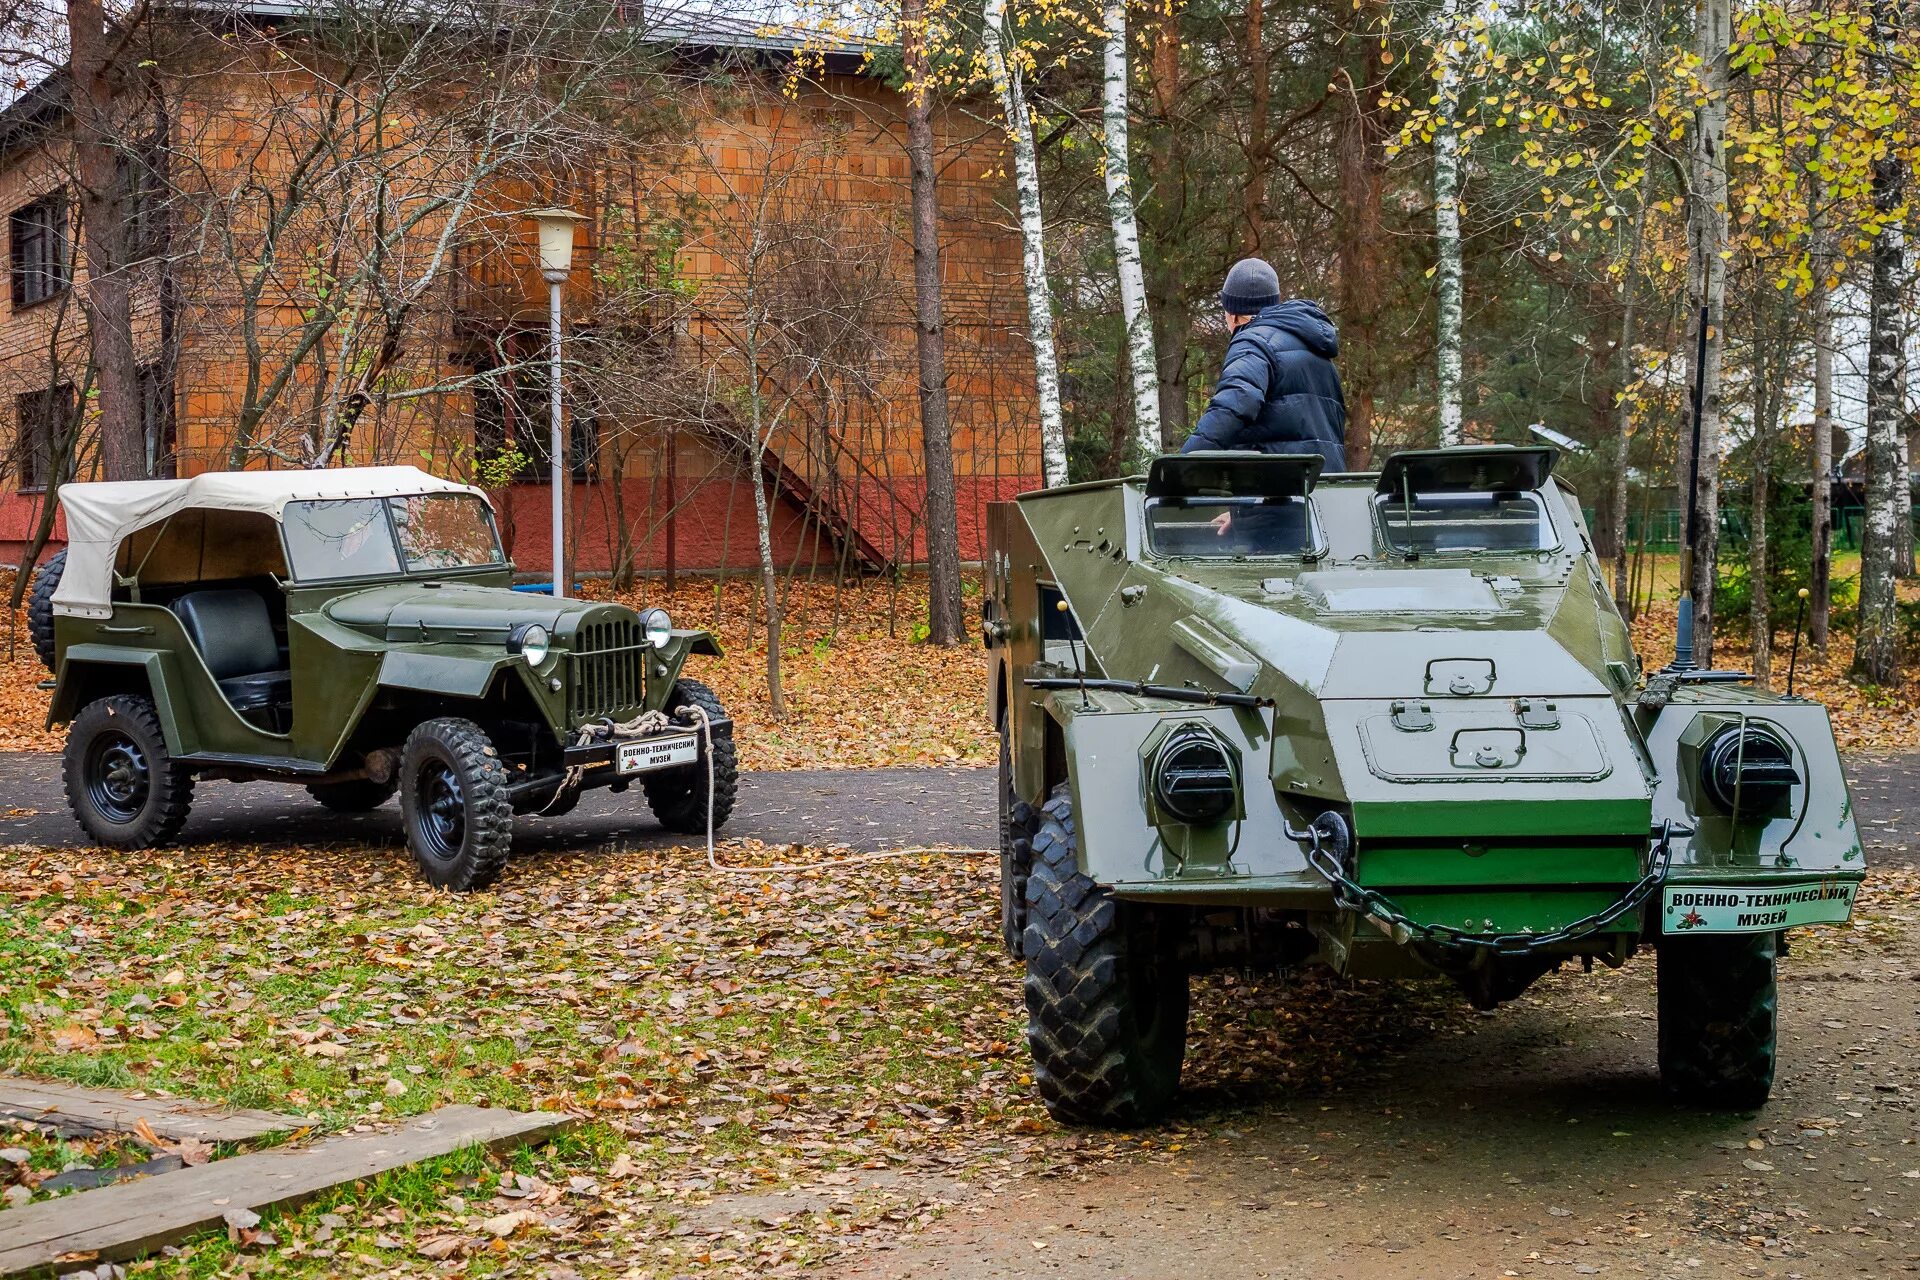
(1278, 390)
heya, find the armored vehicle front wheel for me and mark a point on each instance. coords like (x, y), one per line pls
(1718, 1019)
(1017, 821)
(1106, 990)
(122, 783)
(362, 795)
(454, 799)
(678, 796)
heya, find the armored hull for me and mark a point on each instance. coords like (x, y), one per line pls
(1387, 722)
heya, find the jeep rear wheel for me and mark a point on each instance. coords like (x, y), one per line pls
(1017, 822)
(678, 796)
(362, 795)
(122, 783)
(1106, 990)
(453, 797)
(1719, 1008)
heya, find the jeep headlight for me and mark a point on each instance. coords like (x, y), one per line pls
(531, 641)
(657, 627)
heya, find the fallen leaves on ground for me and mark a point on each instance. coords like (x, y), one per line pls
(769, 1068)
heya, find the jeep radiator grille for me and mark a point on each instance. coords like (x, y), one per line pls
(605, 675)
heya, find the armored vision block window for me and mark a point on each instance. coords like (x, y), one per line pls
(1463, 500)
(1230, 505)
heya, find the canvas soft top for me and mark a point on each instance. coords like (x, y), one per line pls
(100, 514)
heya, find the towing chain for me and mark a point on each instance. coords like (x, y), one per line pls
(1350, 895)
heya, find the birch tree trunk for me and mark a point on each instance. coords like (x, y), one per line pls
(108, 299)
(1707, 295)
(1623, 409)
(1126, 236)
(1820, 589)
(944, 608)
(1446, 219)
(1033, 257)
(1876, 652)
(762, 509)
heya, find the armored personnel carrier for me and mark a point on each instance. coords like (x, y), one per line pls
(1390, 723)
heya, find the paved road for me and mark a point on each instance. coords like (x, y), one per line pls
(865, 808)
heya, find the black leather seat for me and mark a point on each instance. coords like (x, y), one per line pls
(234, 634)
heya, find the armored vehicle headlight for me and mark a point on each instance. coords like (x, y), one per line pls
(657, 626)
(1748, 771)
(531, 641)
(1193, 777)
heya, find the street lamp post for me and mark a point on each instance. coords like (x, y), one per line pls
(556, 264)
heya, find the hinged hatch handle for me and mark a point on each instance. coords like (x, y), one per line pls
(1460, 677)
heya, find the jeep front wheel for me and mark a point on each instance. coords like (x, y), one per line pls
(679, 796)
(1719, 1006)
(1017, 821)
(455, 804)
(1106, 990)
(123, 785)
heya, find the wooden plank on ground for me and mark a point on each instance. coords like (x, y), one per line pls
(114, 1224)
(77, 1110)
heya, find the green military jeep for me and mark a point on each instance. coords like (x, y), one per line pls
(354, 630)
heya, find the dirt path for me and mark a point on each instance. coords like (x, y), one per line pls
(1533, 1142)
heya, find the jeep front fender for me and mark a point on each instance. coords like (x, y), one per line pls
(451, 675)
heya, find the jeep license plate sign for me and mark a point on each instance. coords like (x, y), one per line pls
(644, 754)
(1756, 908)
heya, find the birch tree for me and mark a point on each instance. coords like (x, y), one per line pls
(1448, 50)
(1820, 588)
(1876, 652)
(1009, 87)
(1706, 297)
(1126, 233)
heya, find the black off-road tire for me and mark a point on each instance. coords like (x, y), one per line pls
(1106, 989)
(362, 795)
(123, 784)
(40, 606)
(453, 797)
(1018, 821)
(678, 796)
(1719, 1014)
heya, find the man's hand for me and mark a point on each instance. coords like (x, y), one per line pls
(1221, 523)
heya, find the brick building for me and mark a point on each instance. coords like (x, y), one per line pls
(768, 198)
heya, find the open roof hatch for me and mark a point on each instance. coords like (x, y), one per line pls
(1491, 468)
(1233, 474)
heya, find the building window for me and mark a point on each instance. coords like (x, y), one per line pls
(143, 195)
(157, 421)
(44, 418)
(37, 237)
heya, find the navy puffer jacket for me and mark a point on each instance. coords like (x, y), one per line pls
(1278, 391)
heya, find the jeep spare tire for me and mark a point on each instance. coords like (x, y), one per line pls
(454, 799)
(40, 605)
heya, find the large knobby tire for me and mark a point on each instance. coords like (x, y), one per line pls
(454, 799)
(40, 606)
(1018, 820)
(123, 785)
(362, 795)
(1106, 989)
(1719, 1008)
(678, 796)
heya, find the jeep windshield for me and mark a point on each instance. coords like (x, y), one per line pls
(1438, 523)
(376, 537)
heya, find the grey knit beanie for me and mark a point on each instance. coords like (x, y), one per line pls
(1251, 286)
